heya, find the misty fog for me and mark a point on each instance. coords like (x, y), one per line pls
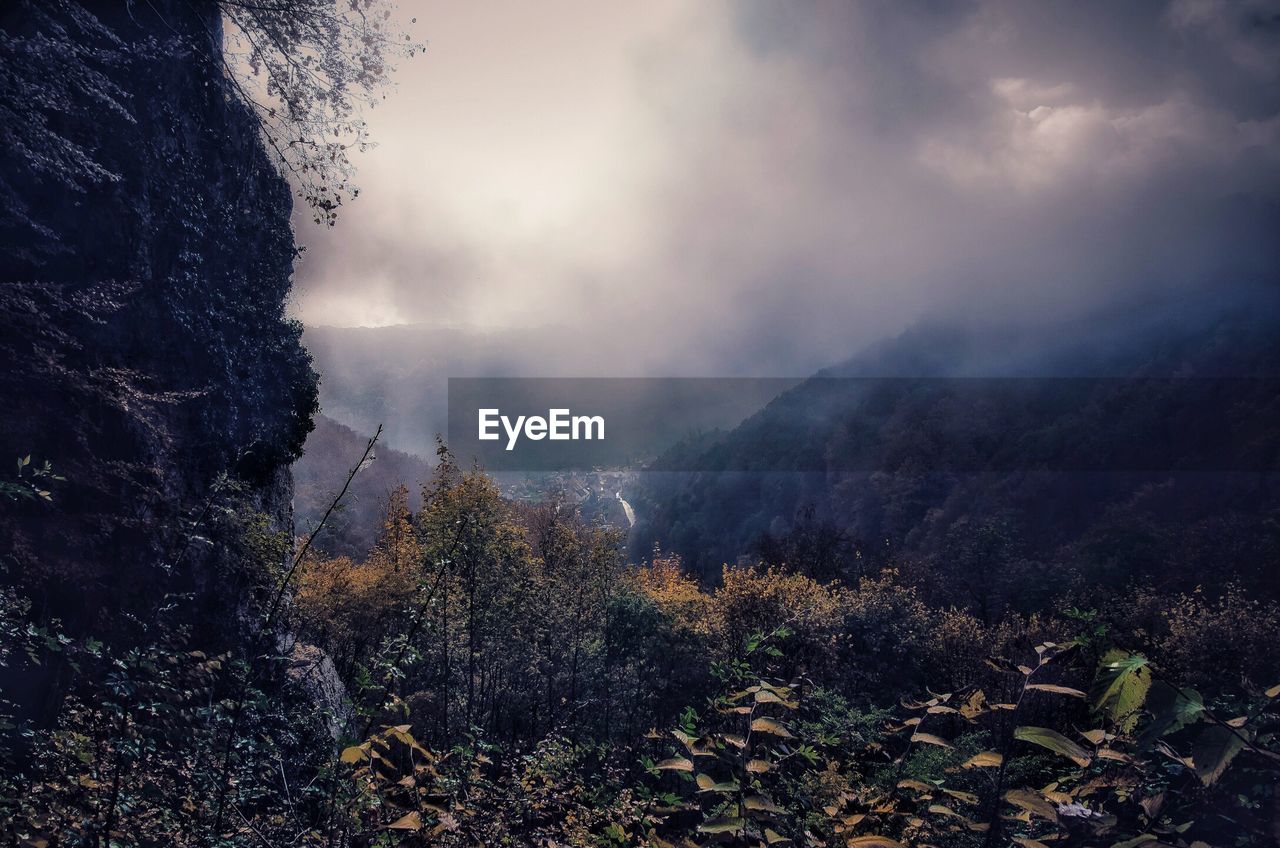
(731, 189)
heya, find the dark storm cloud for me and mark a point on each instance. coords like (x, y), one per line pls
(763, 187)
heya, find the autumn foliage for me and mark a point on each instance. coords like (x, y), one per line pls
(506, 676)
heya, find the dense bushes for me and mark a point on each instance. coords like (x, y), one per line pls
(515, 681)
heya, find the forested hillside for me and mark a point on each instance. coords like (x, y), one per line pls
(503, 673)
(352, 529)
(998, 471)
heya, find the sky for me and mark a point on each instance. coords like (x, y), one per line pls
(698, 187)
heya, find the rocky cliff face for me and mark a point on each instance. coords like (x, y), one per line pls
(145, 351)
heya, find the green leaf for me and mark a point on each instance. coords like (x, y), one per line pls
(1213, 751)
(1171, 710)
(723, 824)
(1121, 686)
(1054, 741)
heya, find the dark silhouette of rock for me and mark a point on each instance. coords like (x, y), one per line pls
(145, 350)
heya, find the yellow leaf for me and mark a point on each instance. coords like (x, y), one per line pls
(1057, 690)
(761, 804)
(1054, 741)
(675, 764)
(986, 759)
(1213, 750)
(411, 821)
(918, 785)
(706, 783)
(966, 797)
(768, 725)
(1121, 686)
(764, 696)
(930, 739)
(1032, 803)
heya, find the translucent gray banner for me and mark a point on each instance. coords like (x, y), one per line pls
(867, 424)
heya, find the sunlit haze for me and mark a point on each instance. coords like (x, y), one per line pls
(704, 187)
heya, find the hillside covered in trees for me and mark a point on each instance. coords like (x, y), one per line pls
(1120, 451)
(352, 529)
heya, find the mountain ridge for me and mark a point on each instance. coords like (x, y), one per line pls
(910, 504)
